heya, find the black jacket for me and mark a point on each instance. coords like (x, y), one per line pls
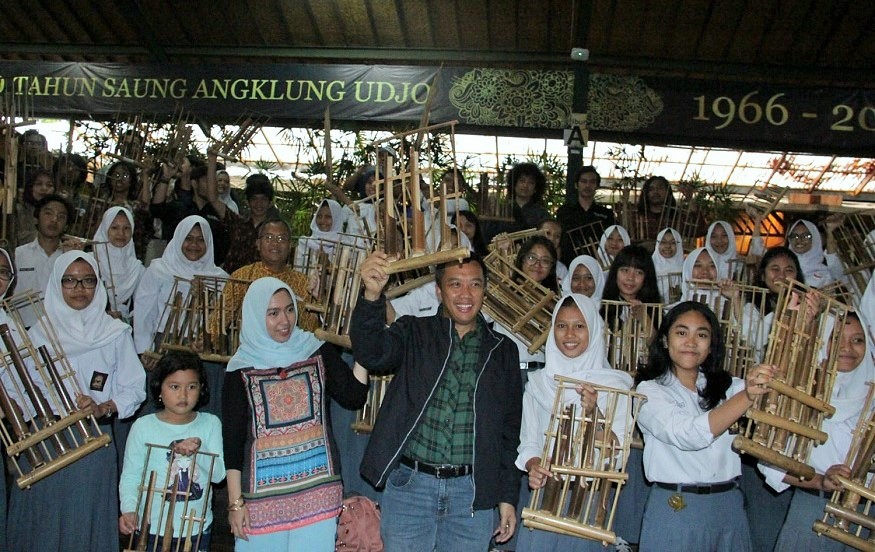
(416, 350)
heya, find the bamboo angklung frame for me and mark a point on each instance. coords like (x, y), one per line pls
(670, 287)
(744, 335)
(517, 302)
(192, 522)
(88, 215)
(514, 240)
(627, 338)
(367, 416)
(760, 202)
(101, 250)
(855, 250)
(16, 110)
(783, 425)
(59, 433)
(408, 248)
(851, 510)
(585, 239)
(338, 291)
(683, 218)
(492, 200)
(232, 143)
(589, 465)
(207, 321)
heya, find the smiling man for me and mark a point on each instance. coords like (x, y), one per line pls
(445, 441)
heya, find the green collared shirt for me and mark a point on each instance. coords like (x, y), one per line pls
(446, 433)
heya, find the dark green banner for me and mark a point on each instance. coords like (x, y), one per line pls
(529, 102)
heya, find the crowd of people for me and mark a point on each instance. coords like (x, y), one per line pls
(457, 446)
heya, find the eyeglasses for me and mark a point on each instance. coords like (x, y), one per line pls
(6, 274)
(531, 259)
(274, 238)
(88, 282)
(800, 237)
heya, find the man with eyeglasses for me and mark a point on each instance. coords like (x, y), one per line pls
(274, 245)
(583, 213)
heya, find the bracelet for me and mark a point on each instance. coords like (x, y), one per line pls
(236, 505)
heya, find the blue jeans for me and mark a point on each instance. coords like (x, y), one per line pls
(424, 513)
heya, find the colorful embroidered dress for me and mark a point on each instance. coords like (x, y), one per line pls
(289, 478)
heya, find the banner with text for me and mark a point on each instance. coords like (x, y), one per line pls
(622, 108)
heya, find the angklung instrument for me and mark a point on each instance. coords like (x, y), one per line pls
(849, 516)
(784, 424)
(172, 505)
(521, 305)
(587, 453)
(46, 431)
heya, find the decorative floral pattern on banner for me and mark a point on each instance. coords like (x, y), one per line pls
(505, 97)
(621, 103)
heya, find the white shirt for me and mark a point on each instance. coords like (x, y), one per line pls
(678, 444)
(33, 266)
(420, 302)
(121, 376)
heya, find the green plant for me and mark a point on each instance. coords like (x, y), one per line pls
(714, 200)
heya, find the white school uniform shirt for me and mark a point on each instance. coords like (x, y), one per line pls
(33, 266)
(419, 302)
(678, 444)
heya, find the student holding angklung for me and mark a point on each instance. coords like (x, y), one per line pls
(575, 349)
(77, 507)
(695, 502)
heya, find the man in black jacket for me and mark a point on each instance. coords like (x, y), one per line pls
(446, 438)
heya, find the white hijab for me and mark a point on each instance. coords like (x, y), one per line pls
(257, 348)
(126, 267)
(598, 276)
(813, 264)
(79, 331)
(603, 256)
(675, 263)
(173, 263)
(722, 260)
(331, 234)
(227, 199)
(687, 272)
(591, 365)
